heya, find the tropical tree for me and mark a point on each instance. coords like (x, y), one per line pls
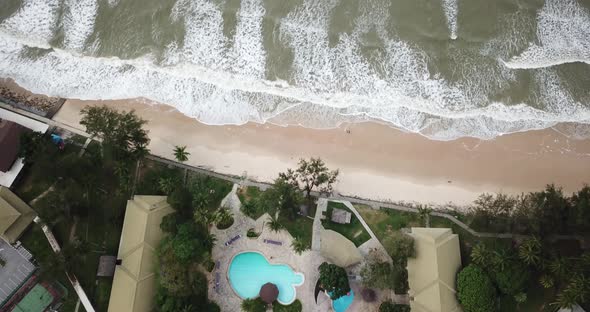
(400, 247)
(576, 291)
(167, 184)
(378, 274)
(224, 218)
(180, 153)
(480, 255)
(546, 281)
(30, 144)
(530, 251)
(281, 196)
(424, 214)
(274, 224)
(312, 174)
(121, 132)
(475, 290)
(253, 305)
(559, 266)
(298, 245)
(389, 306)
(334, 280)
(501, 257)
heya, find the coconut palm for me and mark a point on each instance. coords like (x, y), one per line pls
(209, 241)
(274, 224)
(204, 217)
(501, 258)
(424, 215)
(559, 267)
(298, 245)
(480, 255)
(180, 153)
(520, 297)
(565, 300)
(530, 251)
(223, 216)
(167, 184)
(546, 281)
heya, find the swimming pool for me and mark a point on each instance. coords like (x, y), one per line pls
(248, 271)
(342, 303)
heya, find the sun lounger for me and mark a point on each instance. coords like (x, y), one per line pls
(273, 242)
(232, 240)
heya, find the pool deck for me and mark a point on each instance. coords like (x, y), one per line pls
(307, 263)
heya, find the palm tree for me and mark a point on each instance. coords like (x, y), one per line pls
(204, 217)
(501, 258)
(209, 241)
(520, 297)
(180, 153)
(530, 251)
(424, 215)
(565, 300)
(274, 224)
(546, 281)
(167, 184)
(299, 246)
(480, 255)
(559, 267)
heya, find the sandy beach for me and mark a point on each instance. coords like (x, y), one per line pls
(375, 161)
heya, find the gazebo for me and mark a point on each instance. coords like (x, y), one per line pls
(269, 293)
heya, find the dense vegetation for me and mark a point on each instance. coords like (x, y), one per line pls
(541, 213)
(379, 273)
(334, 280)
(293, 307)
(389, 306)
(81, 196)
(475, 291)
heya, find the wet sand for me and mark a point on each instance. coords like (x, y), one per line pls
(375, 161)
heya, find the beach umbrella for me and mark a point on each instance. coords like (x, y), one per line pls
(269, 292)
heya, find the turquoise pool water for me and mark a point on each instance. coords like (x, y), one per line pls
(248, 271)
(342, 303)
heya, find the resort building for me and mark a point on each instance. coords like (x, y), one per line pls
(12, 126)
(15, 216)
(134, 282)
(431, 274)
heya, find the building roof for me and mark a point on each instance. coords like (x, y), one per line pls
(10, 134)
(341, 216)
(37, 300)
(134, 283)
(338, 249)
(431, 274)
(15, 215)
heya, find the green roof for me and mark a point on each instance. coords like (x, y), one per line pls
(37, 300)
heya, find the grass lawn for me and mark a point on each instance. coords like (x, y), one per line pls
(354, 231)
(384, 221)
(301, 227)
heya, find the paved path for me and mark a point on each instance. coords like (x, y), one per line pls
(317, 224)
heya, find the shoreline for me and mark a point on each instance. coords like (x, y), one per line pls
(375, 160)
(371, 159)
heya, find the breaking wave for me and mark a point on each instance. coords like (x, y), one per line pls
(367, 73)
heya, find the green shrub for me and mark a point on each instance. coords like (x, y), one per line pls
(293, 307)
(252, 233)
(209, 265)
(388, 306)
(253, 305)
(225, 223)
(475, 290)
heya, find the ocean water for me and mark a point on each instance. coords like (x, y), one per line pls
(441, 68)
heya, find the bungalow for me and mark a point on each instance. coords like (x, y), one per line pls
(431, 274)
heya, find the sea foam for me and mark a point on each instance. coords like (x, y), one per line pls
(221, 80)
(563, 33)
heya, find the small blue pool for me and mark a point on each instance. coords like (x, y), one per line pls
(342, 303)
(248, 271)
